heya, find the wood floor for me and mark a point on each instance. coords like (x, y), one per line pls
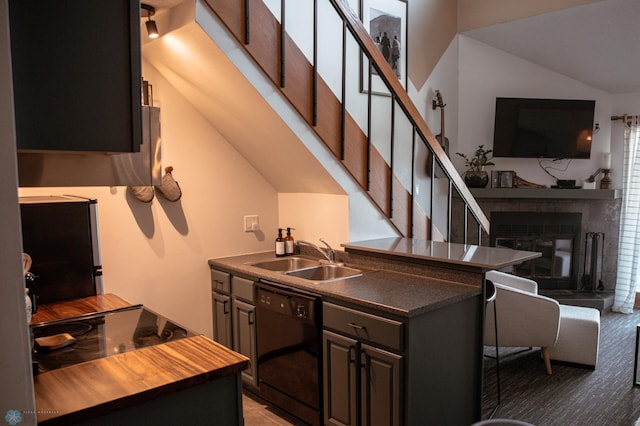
(571, 396)
(260, 413)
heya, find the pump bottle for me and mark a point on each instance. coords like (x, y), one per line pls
(288, 243)
(280, 244)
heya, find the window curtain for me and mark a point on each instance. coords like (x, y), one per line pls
(629, 237)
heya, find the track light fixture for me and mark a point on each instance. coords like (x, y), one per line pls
(147, 12)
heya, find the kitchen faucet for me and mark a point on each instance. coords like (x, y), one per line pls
(329, 255)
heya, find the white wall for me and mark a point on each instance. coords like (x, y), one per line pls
(486, 73)
(157, 254)
(315, 216)
(364, 220)
(16, 382)
(444, 79)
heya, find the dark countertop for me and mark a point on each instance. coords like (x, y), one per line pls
(401, 294)
(446, 253)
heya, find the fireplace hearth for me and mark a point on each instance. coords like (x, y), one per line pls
(601, 300)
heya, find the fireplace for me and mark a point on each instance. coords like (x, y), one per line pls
(600, 214)
(556, 235)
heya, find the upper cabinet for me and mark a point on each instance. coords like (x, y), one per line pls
(76, 74)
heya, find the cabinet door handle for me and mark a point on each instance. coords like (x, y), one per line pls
(356, 326)
(250, 317)
(224, 307)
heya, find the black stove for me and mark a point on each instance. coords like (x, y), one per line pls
(104, 334)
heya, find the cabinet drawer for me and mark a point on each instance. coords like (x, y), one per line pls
(242, 288)
(361, 325)
(220, 281)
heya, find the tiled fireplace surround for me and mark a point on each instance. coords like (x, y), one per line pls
(600, 213)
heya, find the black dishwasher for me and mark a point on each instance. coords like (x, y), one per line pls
(288, 333)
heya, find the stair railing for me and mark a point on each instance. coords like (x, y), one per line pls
(438, 159)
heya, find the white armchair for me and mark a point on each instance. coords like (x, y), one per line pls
(524, 318)
(527, 319)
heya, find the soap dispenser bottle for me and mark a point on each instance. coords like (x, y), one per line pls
(280, 244)
(288, 242)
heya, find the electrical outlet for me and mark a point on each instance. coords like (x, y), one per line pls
(251, 223)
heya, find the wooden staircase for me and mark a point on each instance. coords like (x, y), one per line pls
(255, 27)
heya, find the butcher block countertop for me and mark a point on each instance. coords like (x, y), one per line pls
(99, 387)
(78, 307)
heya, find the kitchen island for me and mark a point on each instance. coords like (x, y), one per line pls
(402, 276)
(414, 318)
(185, 381)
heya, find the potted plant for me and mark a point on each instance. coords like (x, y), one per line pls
(475, 176)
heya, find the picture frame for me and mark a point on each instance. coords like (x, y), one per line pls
(502, 178)
(386, 22)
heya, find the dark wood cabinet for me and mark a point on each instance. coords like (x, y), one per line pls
(234, 324)
(382, 370)
(244, 325)
(381, 378)
(360, 380)
(221, 305)
(76, 74)
(363, 383)
(222, 332)
(340, 379)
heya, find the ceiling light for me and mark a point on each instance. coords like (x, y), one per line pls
(147, 12)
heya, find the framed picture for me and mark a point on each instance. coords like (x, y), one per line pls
(386, 22)
(502, 178)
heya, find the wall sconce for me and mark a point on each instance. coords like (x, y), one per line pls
(147, 12)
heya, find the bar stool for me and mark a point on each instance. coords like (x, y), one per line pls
(490, 296)
(635, 358)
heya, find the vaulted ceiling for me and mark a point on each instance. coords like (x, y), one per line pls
(597, 44)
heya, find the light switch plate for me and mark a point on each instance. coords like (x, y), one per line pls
(251, 223)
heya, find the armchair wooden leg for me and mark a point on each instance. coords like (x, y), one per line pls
(547, 360)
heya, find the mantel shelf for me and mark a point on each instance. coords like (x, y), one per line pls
(547, 193)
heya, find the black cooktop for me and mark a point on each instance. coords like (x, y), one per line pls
(104, 334)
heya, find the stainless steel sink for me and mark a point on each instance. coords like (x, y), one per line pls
(326, 272)
(286, 264)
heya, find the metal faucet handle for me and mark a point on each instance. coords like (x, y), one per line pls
(325, 243)
(328, 256)
(331, 251)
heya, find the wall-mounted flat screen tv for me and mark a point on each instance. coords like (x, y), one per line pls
(543, 128)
